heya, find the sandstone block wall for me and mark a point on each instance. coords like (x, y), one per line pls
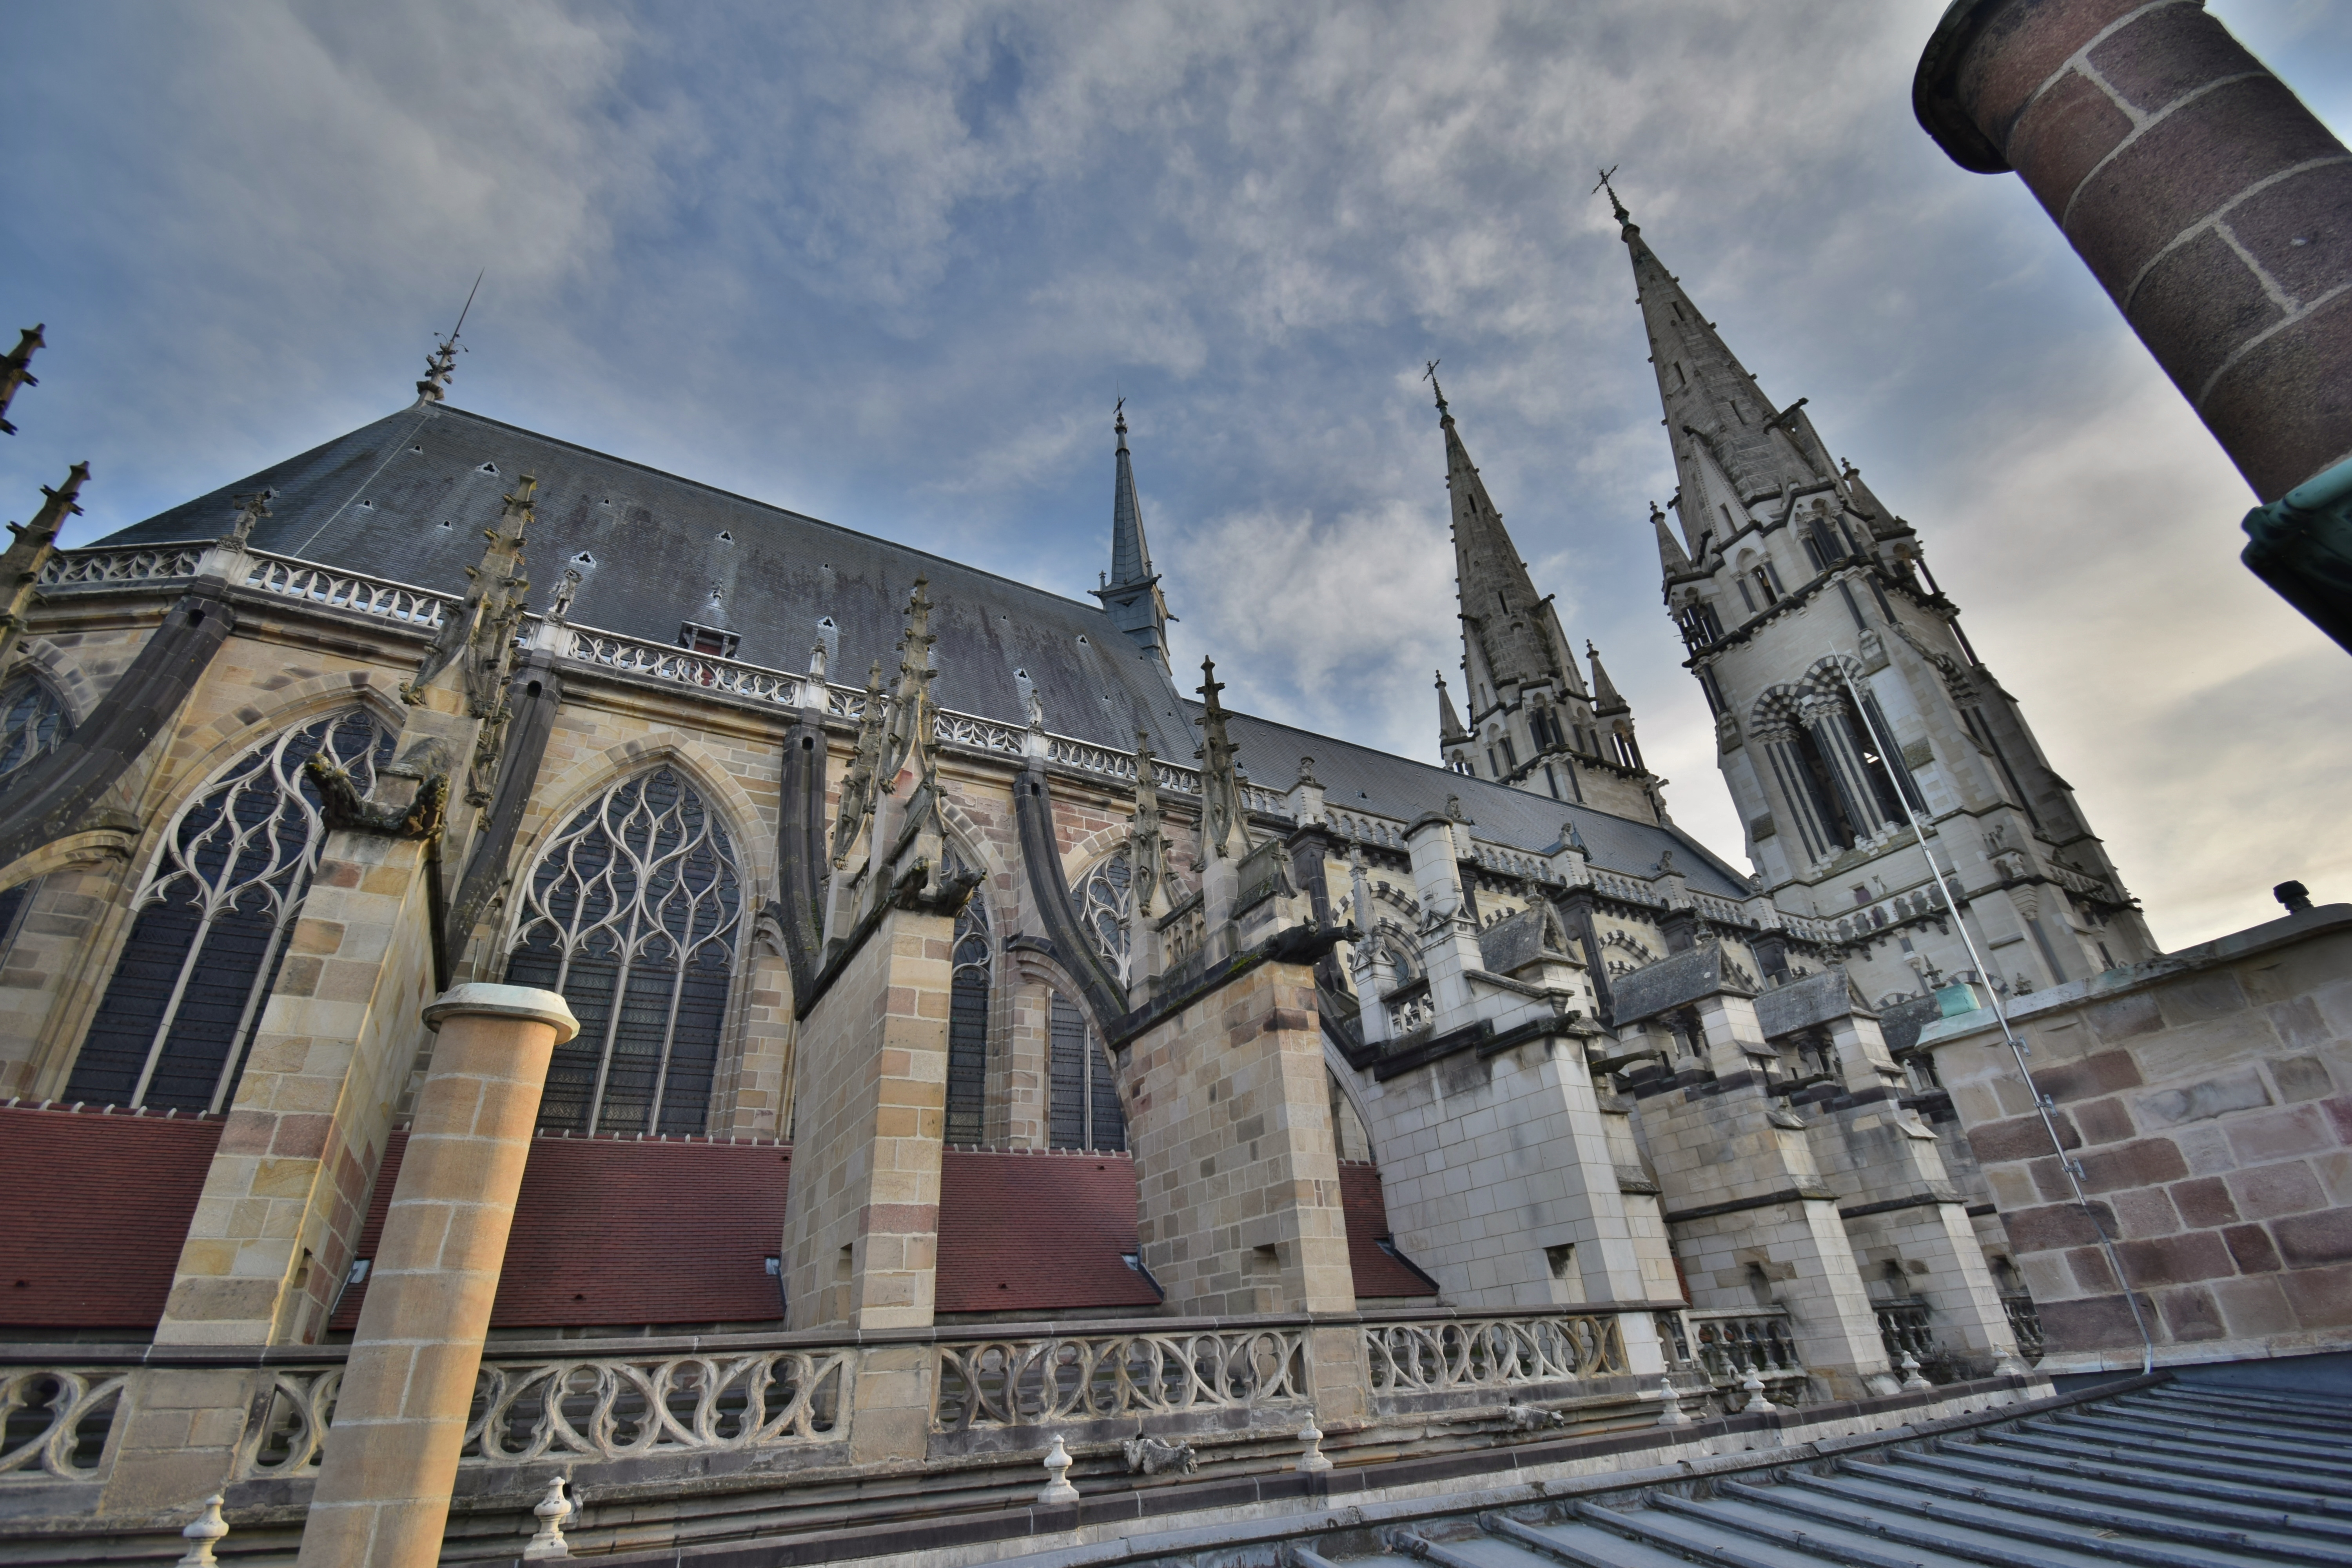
(862, 1237)
(2208, 1100)
(1228, 1110)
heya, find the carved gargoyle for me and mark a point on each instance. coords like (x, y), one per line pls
(341, 805)
(1150, 1456)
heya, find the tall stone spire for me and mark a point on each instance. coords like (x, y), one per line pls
(1531, 722)
(1130, 593)
(1508, 629)
(1734, 447)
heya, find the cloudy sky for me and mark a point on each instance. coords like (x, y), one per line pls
(891, 265)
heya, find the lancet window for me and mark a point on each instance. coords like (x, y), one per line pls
(215, 912)
(633, 913)
(1104, 902)
(33, 722)
(968, 1026)
(1084, 1110)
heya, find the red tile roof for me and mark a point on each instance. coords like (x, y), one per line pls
(1377, 1273)
(608, 1232)
(1023, 1231)
(612, 1231)
(96, 1208)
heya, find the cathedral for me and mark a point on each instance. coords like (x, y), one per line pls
(956, 1042)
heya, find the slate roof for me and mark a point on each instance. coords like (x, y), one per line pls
(1360, 778)
(375, 502)
(98, 1208)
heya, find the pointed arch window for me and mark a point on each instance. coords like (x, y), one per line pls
(633, 914)
(968, 1026)
(33, 724)
(186, 996)
(1084, 1110)
(1104, 900)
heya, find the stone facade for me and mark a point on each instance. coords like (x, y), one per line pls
(2207, 1099)
(1638, 1115)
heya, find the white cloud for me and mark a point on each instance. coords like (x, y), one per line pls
(890, 263)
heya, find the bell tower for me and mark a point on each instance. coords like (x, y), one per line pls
(1844, 690)
(1534, 725)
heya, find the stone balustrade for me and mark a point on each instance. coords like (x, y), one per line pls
(145, 564)
(54, 1421)
(1067, 1378)
(377, 596)
(589, 1403)
(1728, 1343)
(1495, 1354)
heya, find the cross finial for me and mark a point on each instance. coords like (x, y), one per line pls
(1429, 375)
(1209, 684)
(1614, 204)
(1119, 422)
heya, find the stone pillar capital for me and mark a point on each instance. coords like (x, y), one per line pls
(477, 1000)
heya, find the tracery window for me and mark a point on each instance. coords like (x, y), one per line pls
(633, 914)
(186, 995)
(33, 722)
(1084, 1110)
(968, 1026)
(1104, 902)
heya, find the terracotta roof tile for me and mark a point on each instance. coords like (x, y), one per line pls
(98, 1207)
(1038, 1232)
(1377, 1273)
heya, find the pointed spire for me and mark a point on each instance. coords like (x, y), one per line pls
(14, 373)
(1132, 590)
(479, 632)
(1225, 824)
(1733, 446)
(1501, 611)
(1606, 699)
(1450, 729)
(442, 362)
(1672, 559)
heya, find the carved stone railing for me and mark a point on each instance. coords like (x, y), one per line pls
(1491, 1354)
(1721, 910)
(316, 584)
(1082, 1377)
(2025, 1322)
(1365, 828)
(592, 1408)
(1410, 1007)
(599, 1408)
(56, 1421)
(725, 676)
(1731, 1343)
(1903, 1329)
(146, 564)
(1182, 930)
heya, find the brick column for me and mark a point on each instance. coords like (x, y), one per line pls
(2194, 184)
(391, 1457)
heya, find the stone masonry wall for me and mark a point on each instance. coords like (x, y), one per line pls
(2209, 1099)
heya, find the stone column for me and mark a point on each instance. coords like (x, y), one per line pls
(1228, 1106)
(861, 1236)
(2195, 185)
(391, 1457)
